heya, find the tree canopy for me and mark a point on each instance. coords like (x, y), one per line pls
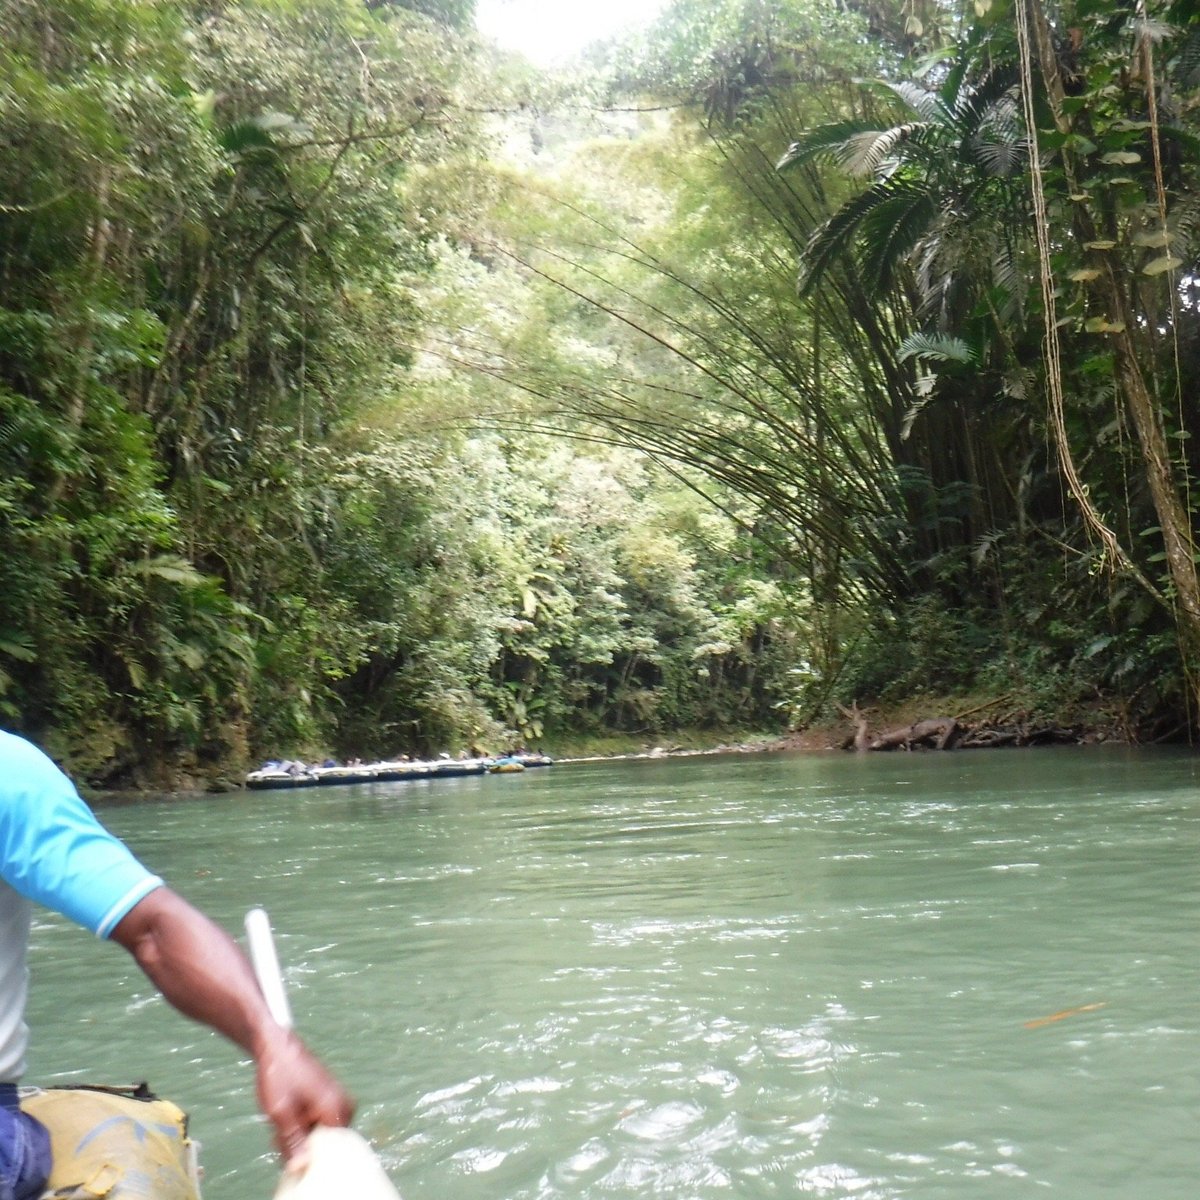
(362, 388)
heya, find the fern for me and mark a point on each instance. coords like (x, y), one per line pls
(985, 544)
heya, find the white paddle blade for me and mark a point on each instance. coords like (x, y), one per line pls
(340, 1164)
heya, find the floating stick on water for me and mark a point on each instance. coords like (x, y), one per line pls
(1039, 1022)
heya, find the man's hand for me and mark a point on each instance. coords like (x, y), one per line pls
(296, 1092)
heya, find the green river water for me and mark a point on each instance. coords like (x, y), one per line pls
(745, 976)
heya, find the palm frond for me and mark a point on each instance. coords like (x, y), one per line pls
(1011, 281)
(1153, 30)
(825, 142)
(985, 544)
(863, 153)
(925, 103)
(971, 110)
(914, 410)
(1003, 159)
(1185, 225)
(836, 238)
(1019, 383)
(892, 228)
(1186, 66)
(1187, 141)
(935, 279)
(935, 347)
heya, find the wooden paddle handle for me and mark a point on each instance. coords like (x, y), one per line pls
(266, 966)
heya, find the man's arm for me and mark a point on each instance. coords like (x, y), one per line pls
(202, 972)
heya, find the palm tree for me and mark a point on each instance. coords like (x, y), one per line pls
(954, 155)
(939, 229)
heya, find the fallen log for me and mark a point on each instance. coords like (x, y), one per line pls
(1051, 735)
(950, 733)
(860, 739)
(988, 739)
(939, 733)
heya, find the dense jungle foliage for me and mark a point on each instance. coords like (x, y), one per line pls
(363, 389)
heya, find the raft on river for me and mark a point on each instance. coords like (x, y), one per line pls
(296, 775)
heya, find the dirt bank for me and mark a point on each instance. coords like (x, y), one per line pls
(998, 721)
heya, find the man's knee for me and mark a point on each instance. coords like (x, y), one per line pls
(24, 1155)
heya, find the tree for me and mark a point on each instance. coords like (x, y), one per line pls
(946, 178)
(206, 259)
(1117, 219)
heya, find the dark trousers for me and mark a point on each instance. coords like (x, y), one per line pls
(24, 1150)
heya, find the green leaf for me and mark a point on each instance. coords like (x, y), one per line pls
(204, 102)
(173, 569)
(1160, 266)
(18, 646)
(137, 674)
(1154, 238)
(191, 656)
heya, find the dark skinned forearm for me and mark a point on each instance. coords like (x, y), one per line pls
(201, 971)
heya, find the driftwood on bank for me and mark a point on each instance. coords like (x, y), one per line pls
(953, 733)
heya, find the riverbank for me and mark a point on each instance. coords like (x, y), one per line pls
(1093, 723)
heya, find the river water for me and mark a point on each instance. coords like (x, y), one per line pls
(701, 978)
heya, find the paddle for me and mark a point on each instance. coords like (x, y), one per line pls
(340, 1162)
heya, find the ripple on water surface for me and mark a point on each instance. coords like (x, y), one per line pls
(900, 976)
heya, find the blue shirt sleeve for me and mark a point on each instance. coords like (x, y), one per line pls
(52, 848)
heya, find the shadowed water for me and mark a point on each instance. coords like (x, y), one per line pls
(762, 976)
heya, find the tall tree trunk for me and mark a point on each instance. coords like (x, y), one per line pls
(84, 340)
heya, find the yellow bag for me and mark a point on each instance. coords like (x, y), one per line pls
(115, 1144)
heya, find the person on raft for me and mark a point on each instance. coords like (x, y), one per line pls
(55, 852)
